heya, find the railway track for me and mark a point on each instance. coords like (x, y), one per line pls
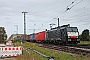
(85, 46)
(79, 49)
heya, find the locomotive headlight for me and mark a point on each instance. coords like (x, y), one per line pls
(68, 36)
(77, 36)
(69, 39)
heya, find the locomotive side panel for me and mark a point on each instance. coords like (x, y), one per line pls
(54, 36)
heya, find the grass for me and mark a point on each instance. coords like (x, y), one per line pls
(84, 42)
(49, 52)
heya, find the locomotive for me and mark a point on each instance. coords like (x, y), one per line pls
(63, 35)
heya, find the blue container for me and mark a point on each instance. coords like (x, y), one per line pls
(32, 36)
(23, 37)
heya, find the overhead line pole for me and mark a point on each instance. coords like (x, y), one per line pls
(24, 22)
(24, 25)
(58, 22)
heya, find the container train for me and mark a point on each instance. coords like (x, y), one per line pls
(58, 35)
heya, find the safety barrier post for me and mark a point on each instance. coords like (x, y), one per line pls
(0, 52)
(20, 50)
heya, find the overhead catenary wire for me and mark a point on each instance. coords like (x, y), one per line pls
(66, 9)
(84, 20)
(60, 12)
(83, 14)
(80, 16)
(78, 9)
(81, 20)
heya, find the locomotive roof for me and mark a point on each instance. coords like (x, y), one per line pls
(60, 28)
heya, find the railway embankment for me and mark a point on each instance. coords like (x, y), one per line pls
(59, 55)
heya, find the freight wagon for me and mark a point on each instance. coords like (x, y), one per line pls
(36, 37)
(32, 36)
(28, 38)
(40, 36)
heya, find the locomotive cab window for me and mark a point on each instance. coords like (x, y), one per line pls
(72, 29)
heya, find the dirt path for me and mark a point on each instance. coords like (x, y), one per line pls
(9, 59)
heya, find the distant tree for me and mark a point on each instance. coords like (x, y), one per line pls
(3, 35)
(85, 35)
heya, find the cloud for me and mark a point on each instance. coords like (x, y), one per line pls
(42, 12)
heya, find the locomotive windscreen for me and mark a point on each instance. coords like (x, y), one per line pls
(72, 29)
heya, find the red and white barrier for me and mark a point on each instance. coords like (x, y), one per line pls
(10, 51)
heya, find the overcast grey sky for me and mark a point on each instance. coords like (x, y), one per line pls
(41, 13)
